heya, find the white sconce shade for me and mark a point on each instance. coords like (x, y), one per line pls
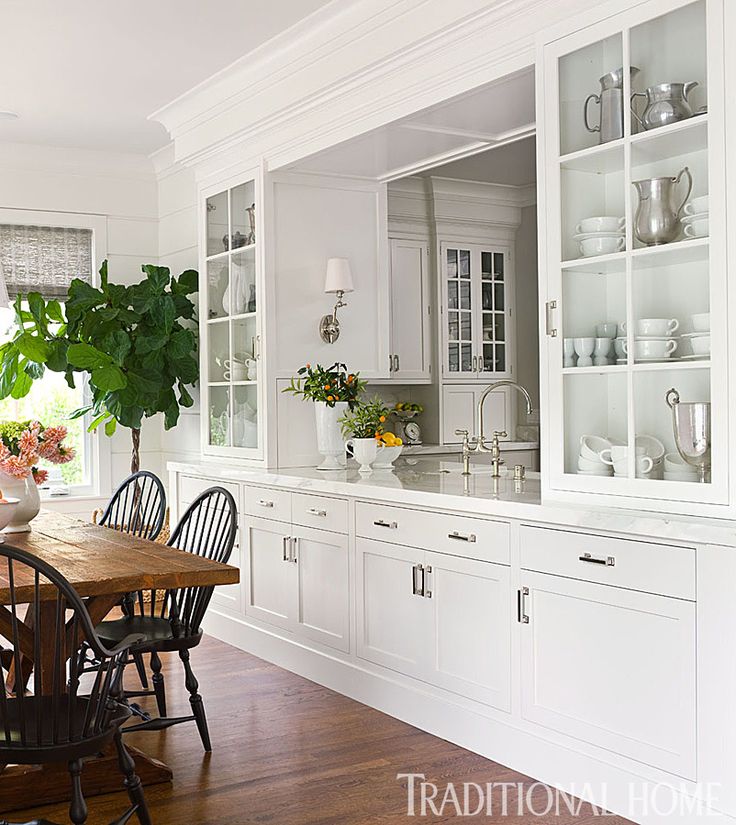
(338, 277)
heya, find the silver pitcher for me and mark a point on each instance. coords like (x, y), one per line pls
(657, 219)
(611, 101)
(666, 103)
(691, 425)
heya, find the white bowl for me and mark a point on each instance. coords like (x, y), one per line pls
(600, 223)
(696, 227)
(601, 245)
(7, 508)
(605, 471)
(697, 206)
(590, 464)
(653, 447)
(669, 475)
(591, 446)
(701, 322)
(386, 456)
(674, 462)
(700, 344)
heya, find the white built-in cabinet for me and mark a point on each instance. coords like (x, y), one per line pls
(410, 348)
(624, 398)
(437, 617)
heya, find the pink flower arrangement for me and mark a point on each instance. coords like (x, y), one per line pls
(24, 443)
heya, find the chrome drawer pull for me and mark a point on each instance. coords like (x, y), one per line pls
(609, 561)
(315, 511)
(287, 546)
(460, 537)
(521, 615)
(265, 502)
(425, 582)
(417, 589)
(392, 525)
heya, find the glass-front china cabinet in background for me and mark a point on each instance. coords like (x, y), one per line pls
(230, 321)
(632, 218)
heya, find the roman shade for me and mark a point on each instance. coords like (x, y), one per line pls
(44, 259)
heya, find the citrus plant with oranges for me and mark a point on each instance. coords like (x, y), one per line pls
(327, 384)
(366, 420)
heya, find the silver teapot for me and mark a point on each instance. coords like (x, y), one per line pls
(611, 102)
(657, 218)
(666, 103)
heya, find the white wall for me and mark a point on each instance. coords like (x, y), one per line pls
(177, 244)
(122, 189)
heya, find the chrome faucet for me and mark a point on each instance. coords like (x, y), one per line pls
(480, 441)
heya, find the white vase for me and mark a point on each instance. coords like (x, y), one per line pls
(29, 501)
(329, 438)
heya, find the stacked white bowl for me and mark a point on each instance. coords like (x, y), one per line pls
(677, 469)
(649, 457)
(653, 339)
(600, 235)
(695, 220)
(699, 338)
(589, 458)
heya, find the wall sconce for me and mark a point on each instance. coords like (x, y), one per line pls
(338, 280)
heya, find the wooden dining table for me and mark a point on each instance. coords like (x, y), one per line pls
(102, 565)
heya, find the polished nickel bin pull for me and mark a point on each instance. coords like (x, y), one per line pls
(609, 561)
(392, 525)
(315, 511)
(265, 502)
(417, 588)
(521, 614)
(460, 537)
(287, 546)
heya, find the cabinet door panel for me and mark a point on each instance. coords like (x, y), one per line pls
(393, 624)
(471, 628)
(458, 412)
(410, 338)
(270, 579)
(611, 667)
(323, 598)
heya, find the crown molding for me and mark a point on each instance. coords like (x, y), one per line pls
(33, 157)
(352, 67)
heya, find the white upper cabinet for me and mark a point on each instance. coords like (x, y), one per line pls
(633, 243)
(230, 319)
(477, 292)
(411, 334)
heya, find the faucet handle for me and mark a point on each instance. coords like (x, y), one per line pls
(500, 434)
(466, 438)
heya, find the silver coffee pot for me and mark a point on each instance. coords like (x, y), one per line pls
(666, 103)
(611, 102)
(691, 425)
(657, 218)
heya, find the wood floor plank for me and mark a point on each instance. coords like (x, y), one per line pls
(290, 752)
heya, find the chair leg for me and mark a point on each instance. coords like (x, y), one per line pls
(132, 781)
(158, 683)
(195, 700)
(140, 666)
(77, 807)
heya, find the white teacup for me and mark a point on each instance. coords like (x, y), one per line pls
(619, 454)
(652, 348)
(700, 344)
(697, 206)
(644, 466)
(606, 329)
(654, 327)
(697, 229)
(591, 446)
(653, 447)
(600, 223)
(364, 451)
(701, 322)
(675, 463)
(605, 245)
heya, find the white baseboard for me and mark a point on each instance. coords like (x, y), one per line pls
(548, 762)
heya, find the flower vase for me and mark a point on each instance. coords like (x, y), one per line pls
(29, 501)
(330, 443)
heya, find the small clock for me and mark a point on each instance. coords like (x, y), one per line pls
(413, 432)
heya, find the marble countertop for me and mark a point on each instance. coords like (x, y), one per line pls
(431, 482)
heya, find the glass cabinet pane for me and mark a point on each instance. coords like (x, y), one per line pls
(217, 223)
(243, 281)
(243, 210)
(219, 416)
(218, 281)
(245, 417)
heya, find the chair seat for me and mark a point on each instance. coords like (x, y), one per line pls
(23, 723)
(156, 631)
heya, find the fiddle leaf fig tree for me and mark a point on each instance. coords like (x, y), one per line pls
(134, 343)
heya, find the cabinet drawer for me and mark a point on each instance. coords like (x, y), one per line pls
(320, 511)
(637, 565)
(191, 486)
(263, 502)
(472, 538)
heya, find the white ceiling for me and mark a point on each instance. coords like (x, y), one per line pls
(87, 73)
(492, 115)
(513, 164)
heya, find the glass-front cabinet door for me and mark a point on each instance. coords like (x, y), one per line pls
(476, 311)
(230, 321)
(634, 229)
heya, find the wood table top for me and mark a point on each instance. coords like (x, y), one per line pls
(98, 561)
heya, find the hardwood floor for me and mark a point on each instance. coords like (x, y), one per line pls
(289, 752)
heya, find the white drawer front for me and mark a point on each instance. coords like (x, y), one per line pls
(265, 503)
(192, 486)
(320, 511)
(473, 538)
(637, 565)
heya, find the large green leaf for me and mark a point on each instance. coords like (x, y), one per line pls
(81, 298)
(185, 399)
(163, 312)
(86, 356)
(33, 347)
(150, 340)
(186, 283)
(22, 385)
(9, 371)
(37, 306)
(57, 360)
(54, 311)
(181, 344)
(117, 345)
(108, 378)
(158, 277)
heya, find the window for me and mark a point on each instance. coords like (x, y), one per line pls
(38, 252)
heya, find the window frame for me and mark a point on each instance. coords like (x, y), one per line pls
(98, 448)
